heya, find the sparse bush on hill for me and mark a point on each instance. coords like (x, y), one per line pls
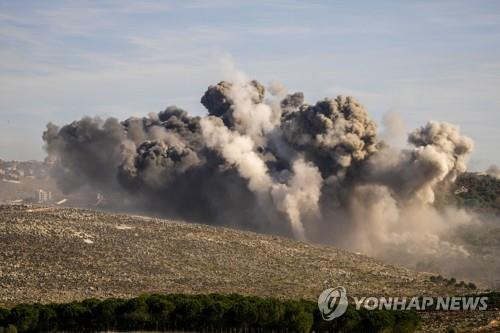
(213, 312)
(452, 281)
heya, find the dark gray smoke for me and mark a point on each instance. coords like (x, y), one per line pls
(333, 134)
(277, 164)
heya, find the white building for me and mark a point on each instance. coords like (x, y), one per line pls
(44, 196)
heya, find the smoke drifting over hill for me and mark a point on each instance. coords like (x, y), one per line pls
(275, 164)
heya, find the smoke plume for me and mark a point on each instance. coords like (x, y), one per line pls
(275, 164)
(493, 171)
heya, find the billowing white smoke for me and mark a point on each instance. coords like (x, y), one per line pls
(238, 150)
(299, 198)
(314, 172)
(253, 121)
(402, 232)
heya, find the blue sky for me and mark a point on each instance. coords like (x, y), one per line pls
(61, 60)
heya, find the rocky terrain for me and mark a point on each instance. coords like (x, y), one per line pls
(63, 254)
(460, 321)
(54, 254)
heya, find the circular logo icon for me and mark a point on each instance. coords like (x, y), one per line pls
(332, 303)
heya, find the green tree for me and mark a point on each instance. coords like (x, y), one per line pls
(160, 309)
(406, 321)
(47, 318)
(134, 314)
(24, 317)
(270, 313)
(297, 317)
(378, 321)
(72, 316)
(4, 315)
(214, 311)
(105, 314)
(187, 312)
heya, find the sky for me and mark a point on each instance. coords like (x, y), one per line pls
(423, 60)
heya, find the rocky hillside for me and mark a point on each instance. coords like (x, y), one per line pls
(62, 254)
(54, 254)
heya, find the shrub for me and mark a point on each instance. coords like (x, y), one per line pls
(24, 317)
(471, 285)
(4, 315)
(198, 313)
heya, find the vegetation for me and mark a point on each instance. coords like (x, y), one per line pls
(211, 312)
(493, 299)
(476, 192)
(452, 282)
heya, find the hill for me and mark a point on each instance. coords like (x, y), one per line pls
(53, 254)
(480, 192)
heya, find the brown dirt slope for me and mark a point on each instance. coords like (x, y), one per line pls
(65, 254)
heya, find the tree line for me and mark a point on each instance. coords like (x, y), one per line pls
(208, 313)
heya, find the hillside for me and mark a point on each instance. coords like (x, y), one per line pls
(20, 180)
(478, 192)
(50, 254)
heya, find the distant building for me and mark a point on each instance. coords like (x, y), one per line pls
(44, 196)
(462, 189)
(12, 176)
(100, 199)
